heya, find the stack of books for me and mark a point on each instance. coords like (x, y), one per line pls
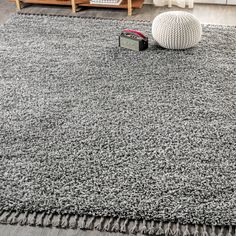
(106, 2)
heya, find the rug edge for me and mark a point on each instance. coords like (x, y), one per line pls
(112, 224)
(111, 19)
(83, 17)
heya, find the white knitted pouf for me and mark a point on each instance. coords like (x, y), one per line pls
(176, 30)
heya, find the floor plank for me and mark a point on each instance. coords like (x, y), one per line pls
(209, 14)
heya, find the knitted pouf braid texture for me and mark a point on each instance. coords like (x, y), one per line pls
(176, 30)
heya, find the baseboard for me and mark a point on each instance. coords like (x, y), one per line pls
(216, 2)
(221, 2)
(148, 2)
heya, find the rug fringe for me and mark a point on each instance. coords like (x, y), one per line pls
(73, 222)
(160, 230)
(113, 224)
(83, 17)
(106, 18)
(83, 222)
(40, 219)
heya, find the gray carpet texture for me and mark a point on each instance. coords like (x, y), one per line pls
(95, 131)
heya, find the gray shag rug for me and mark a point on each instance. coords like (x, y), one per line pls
(95, 136)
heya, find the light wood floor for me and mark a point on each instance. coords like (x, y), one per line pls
(209, 14)
(213, 14)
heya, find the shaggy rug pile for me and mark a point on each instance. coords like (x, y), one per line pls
(95, 136)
